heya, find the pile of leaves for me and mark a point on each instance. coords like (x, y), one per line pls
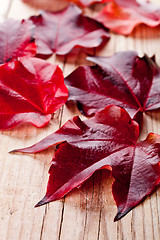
(114, 94)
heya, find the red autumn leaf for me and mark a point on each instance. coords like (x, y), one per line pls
(123, 79)
(60, 32)
(109, 140)
(30, 91)
(122, 16)
(86, 3)
(16, 40)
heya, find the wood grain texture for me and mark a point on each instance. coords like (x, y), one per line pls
(86, 213)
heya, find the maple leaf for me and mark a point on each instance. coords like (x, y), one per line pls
(31, 90)
(16, 40)
(123, 79)
(59, 32)
(122, 16)
(108, 140)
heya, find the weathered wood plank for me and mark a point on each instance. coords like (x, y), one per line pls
(86, 213)
(4, 8)
(19, 10)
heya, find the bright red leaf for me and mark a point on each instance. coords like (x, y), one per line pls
(123, 79)
(16, 40)
(109, 140)
(30, 91)
(122, 16)
(60, 32)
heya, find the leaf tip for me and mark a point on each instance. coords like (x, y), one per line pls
(41, 202)
(15, 151)
(117, 217)
(12, 151)
(121, 213)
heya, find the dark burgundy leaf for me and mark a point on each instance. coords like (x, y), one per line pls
(122, 16)
(109, 139)
(137, 174)
(123, 79)
(16, 40)
(60, 32)
(30, 91)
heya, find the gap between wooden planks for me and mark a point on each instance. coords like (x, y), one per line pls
(86, 213)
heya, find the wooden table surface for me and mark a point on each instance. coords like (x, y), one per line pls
(86, 213)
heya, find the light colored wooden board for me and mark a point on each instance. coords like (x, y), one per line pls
(4, 8)
(86, 213)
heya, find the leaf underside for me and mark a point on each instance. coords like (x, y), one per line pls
(59, 32)
(123, 16)
(16, 40)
